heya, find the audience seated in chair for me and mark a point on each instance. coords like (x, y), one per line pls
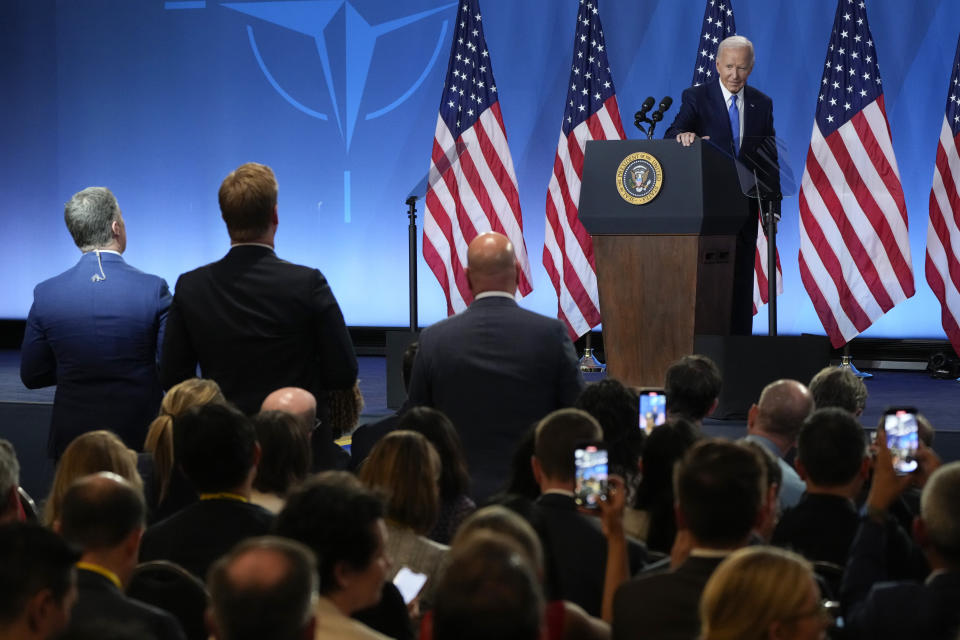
(264, 588)
(692, 385)
(652, 518)
(165, 487)
(875, 606)
(455, 501)
(763, 593)
(284, 458)
(37, 582)
(325, 453)
(90, 452)
(489, 591)
(405, 467)
(216, 446)
(720, 490)
(839, 387)
(341, 521)
(774, 421)
(574, 543)
(105, 516)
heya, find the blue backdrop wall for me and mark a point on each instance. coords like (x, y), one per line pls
(160, 100)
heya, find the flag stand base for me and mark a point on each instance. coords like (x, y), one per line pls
(847, 363)
(589, 363)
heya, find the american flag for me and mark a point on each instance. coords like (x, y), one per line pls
(854, 247)
(591, 113)
(472, 184)
(719, 23)
(943, 235)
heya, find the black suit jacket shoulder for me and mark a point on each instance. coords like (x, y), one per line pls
(195, 537)
(99, 600)
(820, 527)
(576, 551)
(256, 323)
(663, 604)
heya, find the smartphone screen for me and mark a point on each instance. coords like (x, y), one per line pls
(900, 425)
(591, 476)
(653, 409)
(409, 583)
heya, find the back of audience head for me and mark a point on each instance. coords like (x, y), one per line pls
(216, 446)
(938, 528)
(101, 512)
(406, 468)
(781, 410)
(491, 264)
(9, 483)
(343, 409)
(665, 447)
(839, 387)
(521, 484)
(89, 453)
(505, 522)
(436, 427)
(759, 593)
(832, 452)
(558, 436)
(37, 582)
(341, 521)
(720, 489)
(488, 590)
(616, 408)
(90, 215)
(264, 588)
(285, 452)
(296, 401)
(692, 385)
(159, 442)
(248, 201)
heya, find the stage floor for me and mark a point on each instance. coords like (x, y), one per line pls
(25, 413)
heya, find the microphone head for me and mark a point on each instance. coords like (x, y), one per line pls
(647, 105)
(665, 103)
(656, 116)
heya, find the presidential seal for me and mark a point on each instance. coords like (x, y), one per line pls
(639, 178)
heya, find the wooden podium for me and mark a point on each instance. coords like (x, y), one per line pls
(664, 268)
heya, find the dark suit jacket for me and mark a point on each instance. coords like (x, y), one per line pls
(98, 342)
(575, 551)
(877, 609)
(367, 435)
(663, 605)
(704, 112)
(256, 323)
(199, 534)
(820, 527)
(99, 600)
(494, 369)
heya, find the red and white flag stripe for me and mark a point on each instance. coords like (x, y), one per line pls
(943, 234)
(760, 282)
(568, 248)
(854, 245)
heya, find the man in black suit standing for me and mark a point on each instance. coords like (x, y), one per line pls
(720, 488)
(216, 446)
(252, 321)
(736, 118)
(574, 544)
(496, 368)
(104, 515)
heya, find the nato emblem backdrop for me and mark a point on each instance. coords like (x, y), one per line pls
(159, 100)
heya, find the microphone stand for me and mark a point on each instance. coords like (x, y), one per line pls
(770, 220)
(412, 241)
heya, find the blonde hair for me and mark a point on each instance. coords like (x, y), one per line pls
(89, 453)
(159, 443)
(750, 590)
(406, 468)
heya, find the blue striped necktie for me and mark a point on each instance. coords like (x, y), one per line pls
(735, 124)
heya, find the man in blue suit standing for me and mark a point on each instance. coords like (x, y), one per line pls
(94, 331)
(736, 118)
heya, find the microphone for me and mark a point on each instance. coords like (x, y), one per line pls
(645, 107)
(657, 115)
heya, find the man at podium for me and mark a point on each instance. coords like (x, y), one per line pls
(735, 118)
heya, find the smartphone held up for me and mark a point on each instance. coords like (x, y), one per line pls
(900, 426)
